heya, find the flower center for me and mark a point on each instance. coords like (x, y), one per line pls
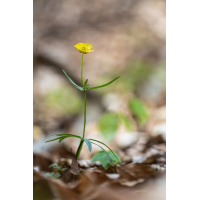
(83, 48)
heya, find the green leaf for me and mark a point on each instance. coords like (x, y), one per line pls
(108, 125)
(50, 174)
(126, 121)
(61, 139)
(54, 166)
(108, 156)
(103, 158)
(63, 169)
(63, 136)
(53, 139)
(104, 84)
(108, 148)
(76, 86)
(140, 110)
(56, 175)
(88, 144)
(85, 85)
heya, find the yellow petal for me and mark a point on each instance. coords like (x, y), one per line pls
(84, 47)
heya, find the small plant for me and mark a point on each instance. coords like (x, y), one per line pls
(104, 159)
(85, 49)
(59, 169)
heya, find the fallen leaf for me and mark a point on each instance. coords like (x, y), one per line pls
(74, 169)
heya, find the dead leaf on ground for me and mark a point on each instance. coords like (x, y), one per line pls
(42, 161)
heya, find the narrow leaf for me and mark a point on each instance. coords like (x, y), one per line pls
(100, 86)
(86, 82)
(53, 139)
(68, 135)
(107, 147)
(106, 153)
(78, 87)
(85, 86)
(63, 136)
(87, 141)
(61, 139)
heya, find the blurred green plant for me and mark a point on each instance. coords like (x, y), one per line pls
(136, 74)
(56, 99)
(84, 49)
(126, 121)
(139, 110)
(108, 125)
(109, 122)
(53, 175)
(57, 174)
(104, 159)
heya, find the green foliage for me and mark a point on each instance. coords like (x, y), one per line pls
(106, 146)
(63, 136)
(126, 121)
(87, 141)
(52, 175)
(63, 101)
(104, 158)
(55, 175)
(85, 86)
(55, 166)
(104, 84)
(139, 109)
(108, 125)
(110, 161)
(74, 84)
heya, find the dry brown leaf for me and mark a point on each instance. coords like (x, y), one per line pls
(135, 171)
(95, 185)
(42, 161)
(74, 169)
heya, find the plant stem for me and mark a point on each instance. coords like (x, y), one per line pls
(79, 149)
(82, 69)
(84, 114)
(82, 140)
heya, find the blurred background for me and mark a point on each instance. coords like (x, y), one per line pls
(129, 40)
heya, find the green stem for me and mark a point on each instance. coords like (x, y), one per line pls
(84, 114)
(79, 149)
(82, 69)
(82, 140)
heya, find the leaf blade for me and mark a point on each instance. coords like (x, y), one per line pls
(102, 157)
(57, 175)
(89, 144)
(108, 125)
(74, 84)
(107, 147)
(111, 161)
(100, 86)
(53, 140)
(63, 137)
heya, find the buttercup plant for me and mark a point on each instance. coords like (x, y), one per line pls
(85, 48)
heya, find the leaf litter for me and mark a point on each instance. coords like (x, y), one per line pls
(84, 179)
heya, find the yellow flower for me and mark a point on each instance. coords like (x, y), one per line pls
(84, 47)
